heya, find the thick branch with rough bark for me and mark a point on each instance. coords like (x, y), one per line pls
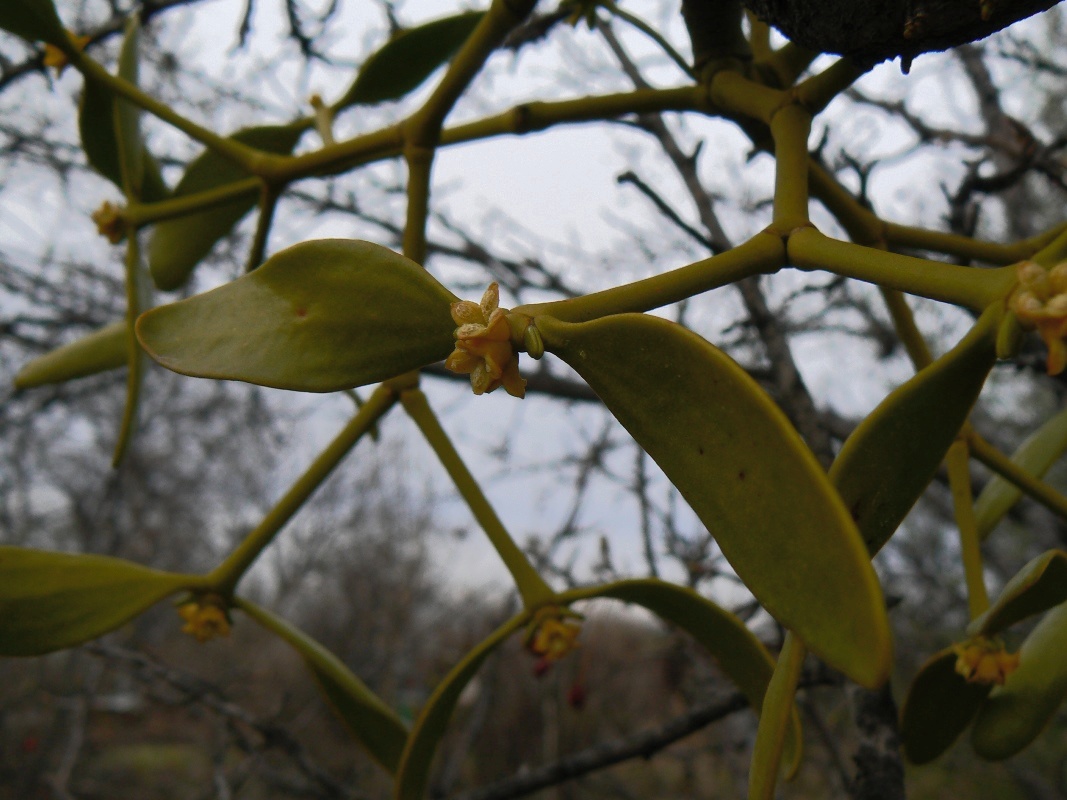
(870, 31)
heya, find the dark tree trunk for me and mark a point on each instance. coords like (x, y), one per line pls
(871, 31)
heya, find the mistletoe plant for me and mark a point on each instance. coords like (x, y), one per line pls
(333, 315)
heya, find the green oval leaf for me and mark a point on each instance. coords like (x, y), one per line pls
(430, 726)
(1035, 588)
(940, 704)
(49, 601)
(1036, 455)
(100, 118)
(409, 58)
(889, 460)
(318, 317)
(750, 478)
(1017, 712)
(33, 20)
(740, 655)
(100, 351)
(178, 245)
(127, 116)
(369, 719)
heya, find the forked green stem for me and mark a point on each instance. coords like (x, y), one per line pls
(790, 127)
(224, 578)
(763, 253)
(532, 587)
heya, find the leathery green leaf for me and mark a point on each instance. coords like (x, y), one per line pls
(1037, 587)
(33, 20)
(101, 116)
(318, 317)
(97, 129)
(127, 117)
(100, 351)
(49, 601)
(408, 59)
(740, 655)
(1017, 712)
(745, 471)
(369, 719)
(414, 770)
(939, 706)
(178, 245)
(1036, 455)
(891, 457)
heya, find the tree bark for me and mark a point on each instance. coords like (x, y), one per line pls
(871, 31)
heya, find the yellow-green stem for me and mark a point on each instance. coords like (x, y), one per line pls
(1054, 252)
(907, 330)
(774, 720)
(736, 95)
(526, 118)
(862, 224)
(763, 253)
(142, 214)
(268, 201)
(532, 587)
(952, 244)
(1010, 471)
(420, 169)
(537, 116)
(959, 479)
(817, 91)
(963, 286)
(788, 63)
(760, 37)
(224, 578)
(790, 127)
(135, 358)
(425, 124)
(241, 154)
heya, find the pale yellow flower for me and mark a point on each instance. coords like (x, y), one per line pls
(205, 618)
(554, 638)
(483, 345)
(985, 661)
(1041, 302)
(110, 222)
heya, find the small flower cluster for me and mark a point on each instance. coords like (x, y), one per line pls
(1041, 302)
(985, 661)
(483, 345)
(205, 618)
(551, 635)
(110, 222)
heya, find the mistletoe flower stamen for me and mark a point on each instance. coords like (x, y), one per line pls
(205, 618)
(483, 345)
(552, 634)
(985, 661)
(58, 60)
(1041, 302)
